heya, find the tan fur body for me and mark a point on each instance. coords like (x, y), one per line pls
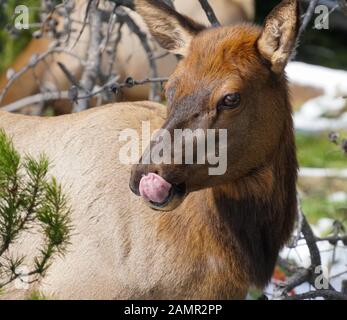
(119, 249)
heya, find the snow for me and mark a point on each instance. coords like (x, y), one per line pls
(310, 118)
(333, 82)
(323, 173)
(338, 197)
(313, 116)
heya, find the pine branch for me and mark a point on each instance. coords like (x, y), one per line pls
(27, 200)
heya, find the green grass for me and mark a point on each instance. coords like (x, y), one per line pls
(318, 152)
(36, 295)
(318, 206)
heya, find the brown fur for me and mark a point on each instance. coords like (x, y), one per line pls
(256, 198)
(226, 234)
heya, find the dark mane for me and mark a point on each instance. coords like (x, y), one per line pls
(259, 227)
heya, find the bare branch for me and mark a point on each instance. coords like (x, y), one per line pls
(307, 17)
(144, 42)
(326, 294)
(311, 243)
(90, 2)
(65, 95)
(35, 61)
(69, 75)
(300, 276)
(37, 98)
(91, 70)
(125, 3)
(209, 13)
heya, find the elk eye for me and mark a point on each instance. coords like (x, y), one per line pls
(230, 101)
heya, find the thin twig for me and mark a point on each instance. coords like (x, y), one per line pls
(91, 70)
(90, 2)
(326, 294)
(307, 17)
(65, 95)
(37, 98)
(122, 14)
(68, 75)
(209, 13)
(34, 63)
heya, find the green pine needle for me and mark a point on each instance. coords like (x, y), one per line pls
(29, 199)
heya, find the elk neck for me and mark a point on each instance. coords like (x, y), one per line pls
(244, 222)
(259, 211)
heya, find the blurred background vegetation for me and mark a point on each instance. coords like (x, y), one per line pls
(322, 197)
(323, 47)
(12, 41)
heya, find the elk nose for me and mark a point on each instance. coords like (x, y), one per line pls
(134, 189)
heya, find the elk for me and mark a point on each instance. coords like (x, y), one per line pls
(130, 57)
(224, 232)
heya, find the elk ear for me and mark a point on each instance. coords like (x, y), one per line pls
(278, 38)
(172, 30)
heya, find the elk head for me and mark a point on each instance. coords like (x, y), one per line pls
(229, 78)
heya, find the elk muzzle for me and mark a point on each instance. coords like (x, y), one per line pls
(157, 192)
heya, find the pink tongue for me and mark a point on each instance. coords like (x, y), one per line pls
(154, 188)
